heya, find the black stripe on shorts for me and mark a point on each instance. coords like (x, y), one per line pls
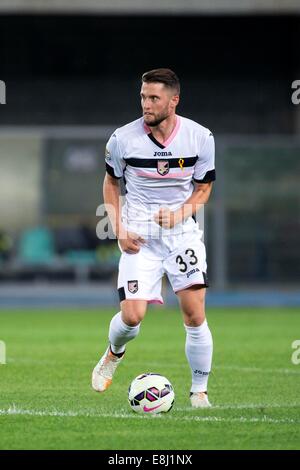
(121, 292)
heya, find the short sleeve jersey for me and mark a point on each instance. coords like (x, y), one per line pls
(157, 174)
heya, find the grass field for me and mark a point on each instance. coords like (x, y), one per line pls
(46, 401)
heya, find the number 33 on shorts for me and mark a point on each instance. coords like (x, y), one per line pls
(183, 266)
(187, 266)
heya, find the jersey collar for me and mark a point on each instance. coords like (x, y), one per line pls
(166, 142)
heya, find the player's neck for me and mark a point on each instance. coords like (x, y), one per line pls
(163, 131)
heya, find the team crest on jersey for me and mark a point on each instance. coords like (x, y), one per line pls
(133, 286)
(163, 167)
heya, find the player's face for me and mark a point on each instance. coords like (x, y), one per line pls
(158, 103)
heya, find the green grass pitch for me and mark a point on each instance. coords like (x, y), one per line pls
(46, 401)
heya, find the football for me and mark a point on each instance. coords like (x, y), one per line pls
(151, 393)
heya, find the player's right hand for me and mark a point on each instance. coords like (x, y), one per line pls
(131, 243)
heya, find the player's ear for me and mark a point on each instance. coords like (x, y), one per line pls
(175, 100)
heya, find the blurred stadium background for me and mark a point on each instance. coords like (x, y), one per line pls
(72, 73)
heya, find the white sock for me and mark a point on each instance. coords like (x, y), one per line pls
(198, 350)
(120, 333)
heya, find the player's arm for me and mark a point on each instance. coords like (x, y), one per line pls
(112, 201)
(204, 175)
(167, 219)
(198, 198)
(129, 241)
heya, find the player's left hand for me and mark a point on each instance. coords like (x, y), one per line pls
(166, 218)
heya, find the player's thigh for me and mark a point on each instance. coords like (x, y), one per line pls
(186, 263)
(139, 283)
(192, 304)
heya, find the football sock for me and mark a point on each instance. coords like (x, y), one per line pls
(198, 350)
(117, 354)
(120, 333)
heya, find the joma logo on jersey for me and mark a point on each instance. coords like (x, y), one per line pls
(162, 154)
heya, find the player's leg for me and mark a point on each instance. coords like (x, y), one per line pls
(199, 345)
(186, 268)
(123, 328)
(125, 325)
(139, 283)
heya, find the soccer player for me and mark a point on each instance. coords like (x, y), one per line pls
(167, 162)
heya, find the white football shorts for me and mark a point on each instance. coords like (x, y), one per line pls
(182, 257)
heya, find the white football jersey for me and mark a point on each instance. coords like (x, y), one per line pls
(159, 175)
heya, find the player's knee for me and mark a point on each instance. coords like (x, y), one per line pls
(194, 320)
(133, 313)
(194, 316)
(132, 320)
(194, 310)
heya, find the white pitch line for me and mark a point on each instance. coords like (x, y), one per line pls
(241, 419)
(13, 411)
(246, 406)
